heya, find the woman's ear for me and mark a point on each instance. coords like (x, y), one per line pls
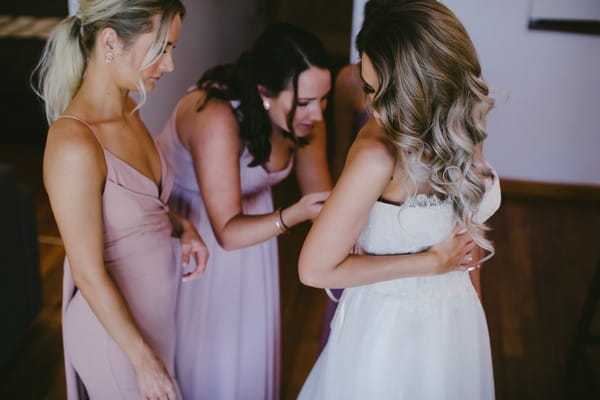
(265, 96)
(263, 92)
(109, 43)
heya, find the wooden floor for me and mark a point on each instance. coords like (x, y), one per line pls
(533, 293)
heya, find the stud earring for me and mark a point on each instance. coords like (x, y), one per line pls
(109, 57)
(266, 105)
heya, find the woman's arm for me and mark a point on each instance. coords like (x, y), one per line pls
(344, 115)
(74, 177)
(212, 137)
(312, 173)
(325, 260)
(312, 170)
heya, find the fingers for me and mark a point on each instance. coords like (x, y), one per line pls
(456, 230)
(200, 255)
(469, 246)
(163, 389)
(196, 273)
(186, 251)
(319, 197)
(166, 390)
(170, 391)
(468, 263)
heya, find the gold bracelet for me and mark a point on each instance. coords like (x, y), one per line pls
(287, 228)
(279, 222)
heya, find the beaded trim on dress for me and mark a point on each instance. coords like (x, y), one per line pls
(419, 200)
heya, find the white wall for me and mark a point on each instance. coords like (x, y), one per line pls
(357, 20)
(213, 32)
(546, 124)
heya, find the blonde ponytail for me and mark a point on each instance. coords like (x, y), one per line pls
(63, 63)
(60, 70)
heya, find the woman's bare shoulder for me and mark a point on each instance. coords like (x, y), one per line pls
(372, 150)
(71, 144)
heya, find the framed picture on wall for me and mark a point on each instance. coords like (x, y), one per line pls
(581, 16)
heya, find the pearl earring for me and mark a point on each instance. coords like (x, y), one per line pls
(266, 105)
(109, 57)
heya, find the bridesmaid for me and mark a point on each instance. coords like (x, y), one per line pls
(236, 133)
(108, 186)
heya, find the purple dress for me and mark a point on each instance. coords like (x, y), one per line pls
(228, 335)
(138, 254)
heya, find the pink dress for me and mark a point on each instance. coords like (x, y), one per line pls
(228, 336)
(138, 254)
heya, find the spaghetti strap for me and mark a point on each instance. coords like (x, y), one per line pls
(76, 118)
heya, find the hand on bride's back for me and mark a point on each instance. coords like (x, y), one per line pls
(454, 252)
(310, 204)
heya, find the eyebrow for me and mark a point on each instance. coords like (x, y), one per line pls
(314, 98)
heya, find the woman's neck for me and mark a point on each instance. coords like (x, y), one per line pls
(101, 95)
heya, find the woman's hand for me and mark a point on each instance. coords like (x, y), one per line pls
(153, 379)
(192, 245)
(455, 252)
(308, 207)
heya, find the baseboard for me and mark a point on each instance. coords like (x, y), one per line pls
(513, 187)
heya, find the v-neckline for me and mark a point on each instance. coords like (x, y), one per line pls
(158, 186)
(246, 154)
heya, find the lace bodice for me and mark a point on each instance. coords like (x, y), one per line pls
(418, 223)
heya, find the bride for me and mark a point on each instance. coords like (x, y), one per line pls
(413, 196)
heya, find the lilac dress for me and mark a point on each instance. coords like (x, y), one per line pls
(138, 254)
(228, 336)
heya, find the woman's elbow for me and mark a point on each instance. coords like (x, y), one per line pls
(305, 277)
(227, 242)
(85, 281)
(308, 274)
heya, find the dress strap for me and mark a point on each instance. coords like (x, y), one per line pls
(76, 118)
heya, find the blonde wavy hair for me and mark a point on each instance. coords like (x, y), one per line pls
(432, 100)
(64, 59)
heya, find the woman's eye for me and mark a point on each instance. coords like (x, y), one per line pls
(302, 103)
(368, 89)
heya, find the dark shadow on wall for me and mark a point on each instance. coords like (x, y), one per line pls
(21, 112)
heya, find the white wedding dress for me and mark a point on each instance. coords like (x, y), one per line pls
(416, 338)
